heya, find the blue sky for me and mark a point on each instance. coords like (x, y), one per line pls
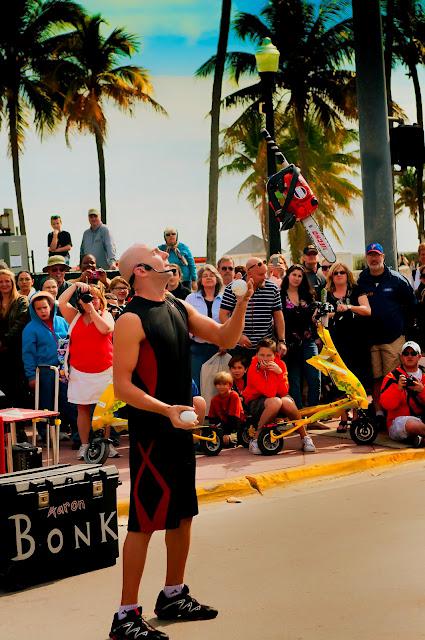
(157, 168)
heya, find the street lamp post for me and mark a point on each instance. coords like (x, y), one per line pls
(267, 58)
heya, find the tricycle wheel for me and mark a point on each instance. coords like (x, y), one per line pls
(211, 448)
(97, 451)
(243, 437)
(265, 444)
(363, 430)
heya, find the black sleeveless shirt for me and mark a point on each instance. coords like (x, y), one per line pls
(163, 368)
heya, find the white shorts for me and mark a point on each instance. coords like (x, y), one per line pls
(397, 431)
(86, 388)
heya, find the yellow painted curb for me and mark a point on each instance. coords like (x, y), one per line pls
(259, 482)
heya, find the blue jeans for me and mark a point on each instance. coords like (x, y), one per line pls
(299, 370)
(68, 411)
(200, 352)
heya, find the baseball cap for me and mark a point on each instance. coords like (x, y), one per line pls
(310, 248)
(93, 212)
(412, 345)
(376, 247)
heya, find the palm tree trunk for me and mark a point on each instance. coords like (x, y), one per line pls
(102, 176)
(388, 53)
(302, 143)
(420, 167)
(14, 148)
(215, 131)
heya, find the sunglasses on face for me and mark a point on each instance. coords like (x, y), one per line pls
(340, 273)
(170, 234)
(226, 268)
(257, 264)
(325, 267)
(409, 352)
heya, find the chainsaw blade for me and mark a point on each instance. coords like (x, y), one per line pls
(318, 239)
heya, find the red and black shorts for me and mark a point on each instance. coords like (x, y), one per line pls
(162, 472)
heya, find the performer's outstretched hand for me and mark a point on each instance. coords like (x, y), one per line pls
(173, 414)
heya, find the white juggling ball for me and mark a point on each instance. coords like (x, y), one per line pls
(239, 287)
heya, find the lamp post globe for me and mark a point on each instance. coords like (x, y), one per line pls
(267, 60)
(267, 57)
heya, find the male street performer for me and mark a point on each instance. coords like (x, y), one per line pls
(152, 374)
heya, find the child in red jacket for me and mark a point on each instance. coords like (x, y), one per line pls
(266, 393)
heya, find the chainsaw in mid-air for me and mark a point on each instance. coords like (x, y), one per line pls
(293, 201)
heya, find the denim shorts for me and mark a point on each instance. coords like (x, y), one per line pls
(397, 431)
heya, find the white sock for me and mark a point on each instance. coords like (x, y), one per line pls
(173, 590)
(122, 611)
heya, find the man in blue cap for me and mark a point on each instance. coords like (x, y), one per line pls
(392, 300)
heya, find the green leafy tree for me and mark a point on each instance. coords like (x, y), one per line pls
(315, 42)
(331, 166)
(409, 49)
(28, 31)
(90, 75)
(407, 198)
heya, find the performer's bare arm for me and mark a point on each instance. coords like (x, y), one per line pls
(224, 335)
(128, 335)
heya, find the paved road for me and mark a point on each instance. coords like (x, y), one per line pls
(340, 559)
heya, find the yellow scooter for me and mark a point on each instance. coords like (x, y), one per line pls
(363, 430)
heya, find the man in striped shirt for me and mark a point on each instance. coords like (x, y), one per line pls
(264, 317)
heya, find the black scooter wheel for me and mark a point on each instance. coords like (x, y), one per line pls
(265, 444)
(211, 448)
(97, 451)
(363, 431)
(243, 437)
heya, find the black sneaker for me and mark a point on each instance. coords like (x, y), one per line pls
(183, 607)
(134, 626)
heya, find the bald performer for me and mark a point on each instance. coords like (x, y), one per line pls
(264, 317)
(152, 375)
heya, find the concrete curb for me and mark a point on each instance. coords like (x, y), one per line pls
(260, 482)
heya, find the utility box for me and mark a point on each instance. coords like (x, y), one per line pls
(13, 250)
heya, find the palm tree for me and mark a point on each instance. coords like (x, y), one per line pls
(215, 131)
(407, 192)
(26, 29)
(409, 49)
(315, 41)
(330, 168)
(89, 76)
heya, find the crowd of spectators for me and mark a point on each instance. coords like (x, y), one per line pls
(377, 325)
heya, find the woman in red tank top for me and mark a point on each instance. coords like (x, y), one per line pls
(90, 352)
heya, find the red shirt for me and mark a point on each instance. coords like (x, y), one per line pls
(90, 351)
(223, 407)
(266, 383)
(395, 401)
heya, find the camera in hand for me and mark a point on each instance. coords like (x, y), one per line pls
(84, 296)
(410, 381)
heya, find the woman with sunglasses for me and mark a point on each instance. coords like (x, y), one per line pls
(13, 318)
(90, 352)
(297, 297)
(347, 325)
(206, 300)
(179, 253)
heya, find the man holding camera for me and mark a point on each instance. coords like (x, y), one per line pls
(403, 397)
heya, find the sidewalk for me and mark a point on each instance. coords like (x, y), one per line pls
(236, 472)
